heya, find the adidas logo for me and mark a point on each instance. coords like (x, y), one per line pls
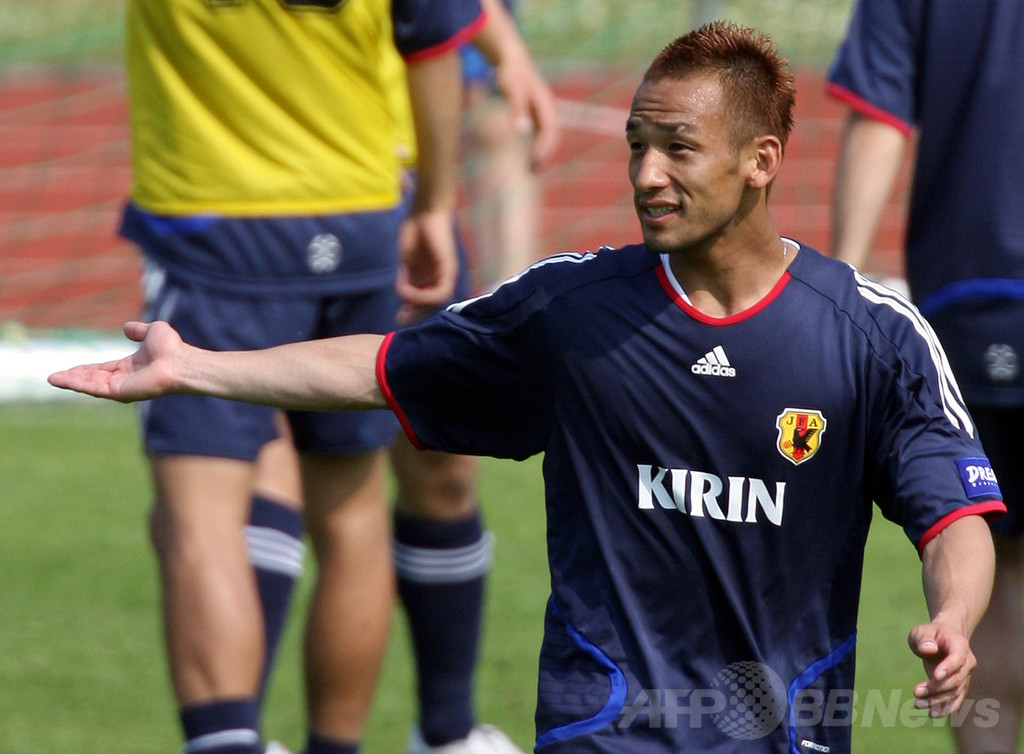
(714, 363)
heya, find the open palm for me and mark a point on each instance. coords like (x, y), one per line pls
(147, 373)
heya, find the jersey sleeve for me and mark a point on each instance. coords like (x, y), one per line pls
(468, 381)
(875, 69)
(931, 469)
(426, 28)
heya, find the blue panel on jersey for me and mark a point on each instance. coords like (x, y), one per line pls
(616, 697)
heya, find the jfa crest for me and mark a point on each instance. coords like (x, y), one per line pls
(800, 431)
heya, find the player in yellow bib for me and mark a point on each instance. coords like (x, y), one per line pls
(266, 202)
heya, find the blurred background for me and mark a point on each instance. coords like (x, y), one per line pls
(64, 168)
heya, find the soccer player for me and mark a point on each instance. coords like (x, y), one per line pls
(953, 74)
(502, 213)
(718, 406)
(266, 201)
(442, 551)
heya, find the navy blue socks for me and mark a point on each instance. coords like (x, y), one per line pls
(276, 550)
(441, 570)
(320, 745)
(222, 727)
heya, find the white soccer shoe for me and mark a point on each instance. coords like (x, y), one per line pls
(273, 747)
(483, 739)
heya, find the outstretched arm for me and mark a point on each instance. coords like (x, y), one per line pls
(958, 565)
(869, 160)
(327, 375)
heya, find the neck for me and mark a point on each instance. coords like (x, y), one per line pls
(725, 281)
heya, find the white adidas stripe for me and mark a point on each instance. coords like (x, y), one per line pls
(569, 256)
(428, 566)
(715, 357)
(952, 401)
(237, 736)
(272, 550)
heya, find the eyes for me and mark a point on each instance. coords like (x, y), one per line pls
(639, 146)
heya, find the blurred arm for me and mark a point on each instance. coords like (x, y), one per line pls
(435, 93)
(528, 95)
(869, 159)
(429, 261)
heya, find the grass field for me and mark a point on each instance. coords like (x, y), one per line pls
(81, 667)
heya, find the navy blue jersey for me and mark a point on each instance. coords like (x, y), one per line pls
(955, 71)
(709, 482)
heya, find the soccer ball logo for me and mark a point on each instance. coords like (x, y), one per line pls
(324, 253)
(755, 700)
(1001, 362)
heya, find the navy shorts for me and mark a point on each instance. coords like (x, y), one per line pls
(217, 318)
(199, 425)
(984, 340)
(999, 429)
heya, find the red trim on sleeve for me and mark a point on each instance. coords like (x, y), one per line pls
(989, 508)
(385, 389)
(732, 319)
(465, 34)
(868, 110)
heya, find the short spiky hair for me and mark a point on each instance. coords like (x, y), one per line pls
(757, 81)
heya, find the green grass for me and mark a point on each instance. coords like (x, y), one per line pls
(585, 32)
(560, 32)
(81, 665)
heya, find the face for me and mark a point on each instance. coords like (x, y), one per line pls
(689, 180)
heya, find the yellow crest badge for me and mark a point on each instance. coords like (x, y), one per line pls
(800, 431)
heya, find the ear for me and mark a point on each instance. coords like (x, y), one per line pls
(765, 160)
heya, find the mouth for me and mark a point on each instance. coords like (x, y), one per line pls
(657, 212)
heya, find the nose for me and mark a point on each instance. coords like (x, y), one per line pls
(647, 170)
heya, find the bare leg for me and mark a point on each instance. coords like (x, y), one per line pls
(277, 469)
(998, 643)
(350, 614)
(440, 486)
(212, 618)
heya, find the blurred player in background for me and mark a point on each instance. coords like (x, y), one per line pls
(266, 200)
(952, 73)
(501, 215)
(442, 552)
(700, 521)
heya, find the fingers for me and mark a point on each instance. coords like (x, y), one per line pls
(544, 118)
(423, 294)
(94, 378)
(62, 379)
(136, 331)
(948, 662)
(132, 377)
(91, 379)
(409, 314)
(426, 278)
(537, 113)
(532, 108)
(939, 705)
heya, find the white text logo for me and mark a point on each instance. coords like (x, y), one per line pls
(698, 493)
(714, 363)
